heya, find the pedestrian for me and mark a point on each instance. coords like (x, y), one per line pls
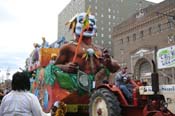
(1, 95)
(19, 101)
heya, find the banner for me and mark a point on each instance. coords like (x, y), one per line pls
(166, 57)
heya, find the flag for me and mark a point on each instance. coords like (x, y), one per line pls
(86, 19)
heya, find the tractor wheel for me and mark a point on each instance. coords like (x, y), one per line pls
(104, 103)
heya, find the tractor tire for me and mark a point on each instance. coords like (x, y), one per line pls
(104, 103)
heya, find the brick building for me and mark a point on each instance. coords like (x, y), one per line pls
(136, 40)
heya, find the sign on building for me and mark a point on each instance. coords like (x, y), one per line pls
(166, 57)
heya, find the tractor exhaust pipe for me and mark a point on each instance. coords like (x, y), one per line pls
(155, 79)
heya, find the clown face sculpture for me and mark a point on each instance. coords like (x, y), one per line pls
(89, 32)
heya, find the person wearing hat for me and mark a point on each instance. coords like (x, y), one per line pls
(53, 58)
(121, 80)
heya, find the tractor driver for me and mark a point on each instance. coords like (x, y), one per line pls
(122, 81)
(82, 52)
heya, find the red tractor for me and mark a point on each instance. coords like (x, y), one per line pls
(108, 100)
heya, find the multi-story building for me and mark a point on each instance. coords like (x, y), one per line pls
(137, 39)
(108, 13)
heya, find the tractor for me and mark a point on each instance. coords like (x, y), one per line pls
(155, 100)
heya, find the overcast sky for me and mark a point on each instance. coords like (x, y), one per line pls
(23, 22)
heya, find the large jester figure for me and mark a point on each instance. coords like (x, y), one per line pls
(80, 66)
(82, 54)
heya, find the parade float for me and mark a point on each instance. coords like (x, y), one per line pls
(80, 93)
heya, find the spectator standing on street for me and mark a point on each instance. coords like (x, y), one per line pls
(20, 102)
(1, 95)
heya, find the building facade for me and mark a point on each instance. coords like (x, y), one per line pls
(108, 13)
(137, 39)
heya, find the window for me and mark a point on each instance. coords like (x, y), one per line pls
(109, 29)
(102, 15)
(102, 35)
(110, 50)
(96, 14)
(127, 38)
(96, 34)
(109, 10)
(109, 43)
(141, 34)
(117, 11)
(150, 30)
(121, 41)
(102, 28)
(102, 42)
(159, 28)
(109, 37)
(134, 36)
(96, 7)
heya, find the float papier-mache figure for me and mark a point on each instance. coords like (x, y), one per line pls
(82, 65)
